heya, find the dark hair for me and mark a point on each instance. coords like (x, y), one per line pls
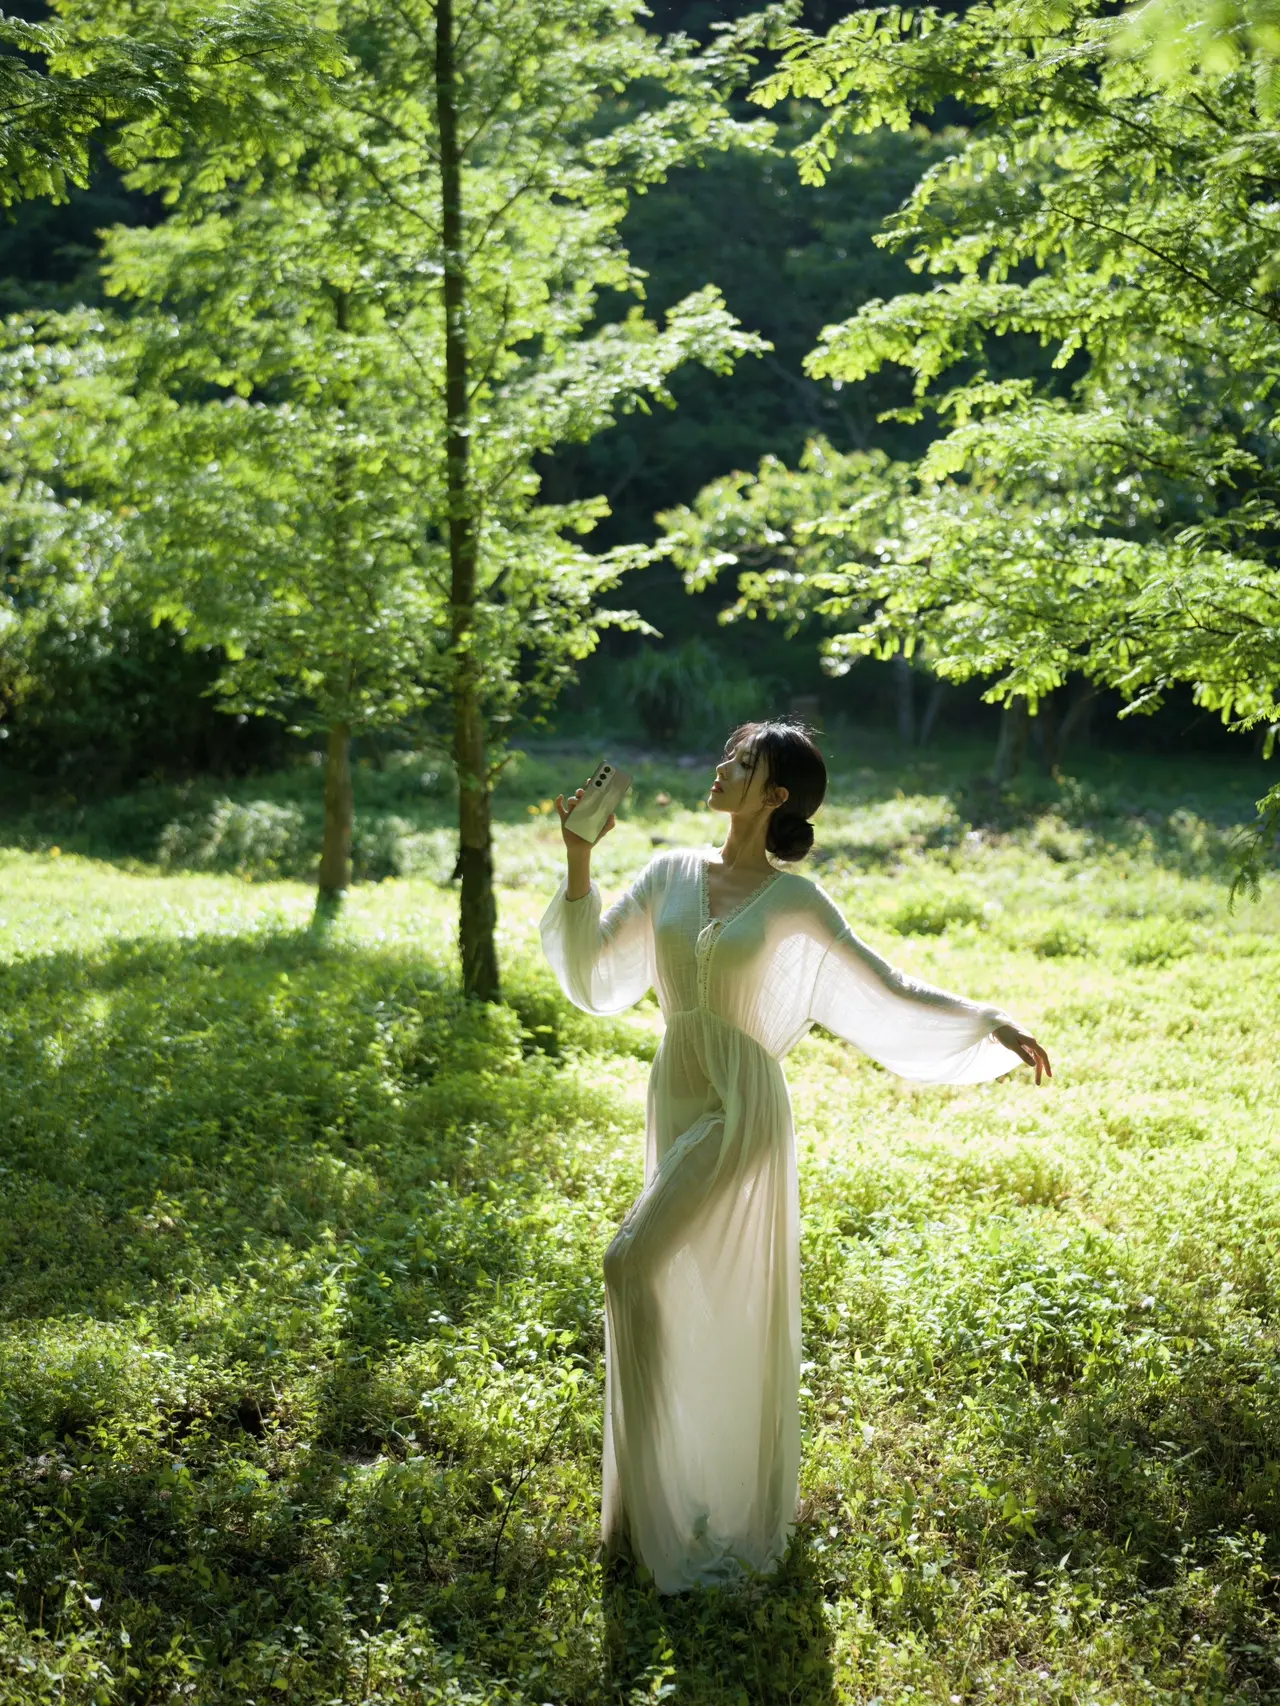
(794, 763)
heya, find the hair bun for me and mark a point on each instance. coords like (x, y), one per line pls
(790, 835)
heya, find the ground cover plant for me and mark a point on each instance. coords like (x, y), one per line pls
(301, 1344)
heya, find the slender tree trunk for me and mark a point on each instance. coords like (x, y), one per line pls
(1077, 721)
(339, 804)
(477, 916)
(1046, 730)
(933, 706)
(905, 699)
(1015, 726)
(339, 813)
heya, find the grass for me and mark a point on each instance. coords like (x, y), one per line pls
(300, 1328)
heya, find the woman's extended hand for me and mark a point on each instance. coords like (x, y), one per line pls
(1025, 1047)
(571, 840)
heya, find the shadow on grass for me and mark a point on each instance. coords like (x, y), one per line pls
(298, 1252)
(1167, 1490)
(193, 1104)
(1192, 1463)
(767, 1641)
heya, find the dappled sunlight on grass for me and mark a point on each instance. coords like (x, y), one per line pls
(301, 1323)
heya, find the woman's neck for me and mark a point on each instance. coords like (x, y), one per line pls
(744, 846)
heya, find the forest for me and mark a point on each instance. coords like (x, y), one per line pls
(409, 404)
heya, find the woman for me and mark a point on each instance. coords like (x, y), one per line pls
(702, 1282)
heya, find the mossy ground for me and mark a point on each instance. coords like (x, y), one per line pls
(300, 1348)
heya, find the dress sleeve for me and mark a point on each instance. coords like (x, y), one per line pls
(914, 1029)
(604, 964)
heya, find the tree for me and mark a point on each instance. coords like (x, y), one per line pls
(1119, 520)
(58, 408)
(181, 68)
(349, 356)
(223, 73)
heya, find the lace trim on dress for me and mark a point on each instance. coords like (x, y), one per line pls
(710, 928)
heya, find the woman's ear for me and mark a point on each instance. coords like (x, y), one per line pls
(778, 797)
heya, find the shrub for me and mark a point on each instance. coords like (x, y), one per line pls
(684, 693)
(259, 838)
(1059, 841)
(932, 914)
(387, 847)
(256, 839)
(1158, 942)
(1061, 941)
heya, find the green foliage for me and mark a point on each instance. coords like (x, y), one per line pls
(291, 346)
(680, 692)
(97, 697)
(790, 259)
(932, 914)
(312, 441)
(1226, 36)
(790, 534)
(1113, 518)
(261, 839)
(300, 1328)
(216, 70)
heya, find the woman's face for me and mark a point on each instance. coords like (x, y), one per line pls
(738, 788)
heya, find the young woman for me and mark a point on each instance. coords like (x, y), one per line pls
(702, 1282)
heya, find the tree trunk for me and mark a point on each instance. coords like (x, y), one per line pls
(1077, 721)
(1015, 726)
(933, 706)
(477, 914)
(335, 852)
(1046, 731)
(339, 805)
(905, 698)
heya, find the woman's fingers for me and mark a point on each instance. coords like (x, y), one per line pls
(565, 807)
(1027, 1049)
(1036, 1056)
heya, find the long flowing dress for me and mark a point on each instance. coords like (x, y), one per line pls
(702, 1281)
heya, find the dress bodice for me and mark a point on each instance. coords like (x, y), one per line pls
(782, 960)
(735, 965)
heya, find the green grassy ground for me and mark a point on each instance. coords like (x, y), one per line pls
(300, 1328)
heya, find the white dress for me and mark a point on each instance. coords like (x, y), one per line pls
(702, 1281)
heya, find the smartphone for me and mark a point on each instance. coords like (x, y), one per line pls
(602, 794)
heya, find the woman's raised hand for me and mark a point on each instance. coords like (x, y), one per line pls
(1025, 1046)
(565, 808)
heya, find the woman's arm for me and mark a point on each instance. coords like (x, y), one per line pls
(604, 964)
(914, 1028)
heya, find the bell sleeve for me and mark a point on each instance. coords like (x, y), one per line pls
(604, 964)
(914, 1029)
